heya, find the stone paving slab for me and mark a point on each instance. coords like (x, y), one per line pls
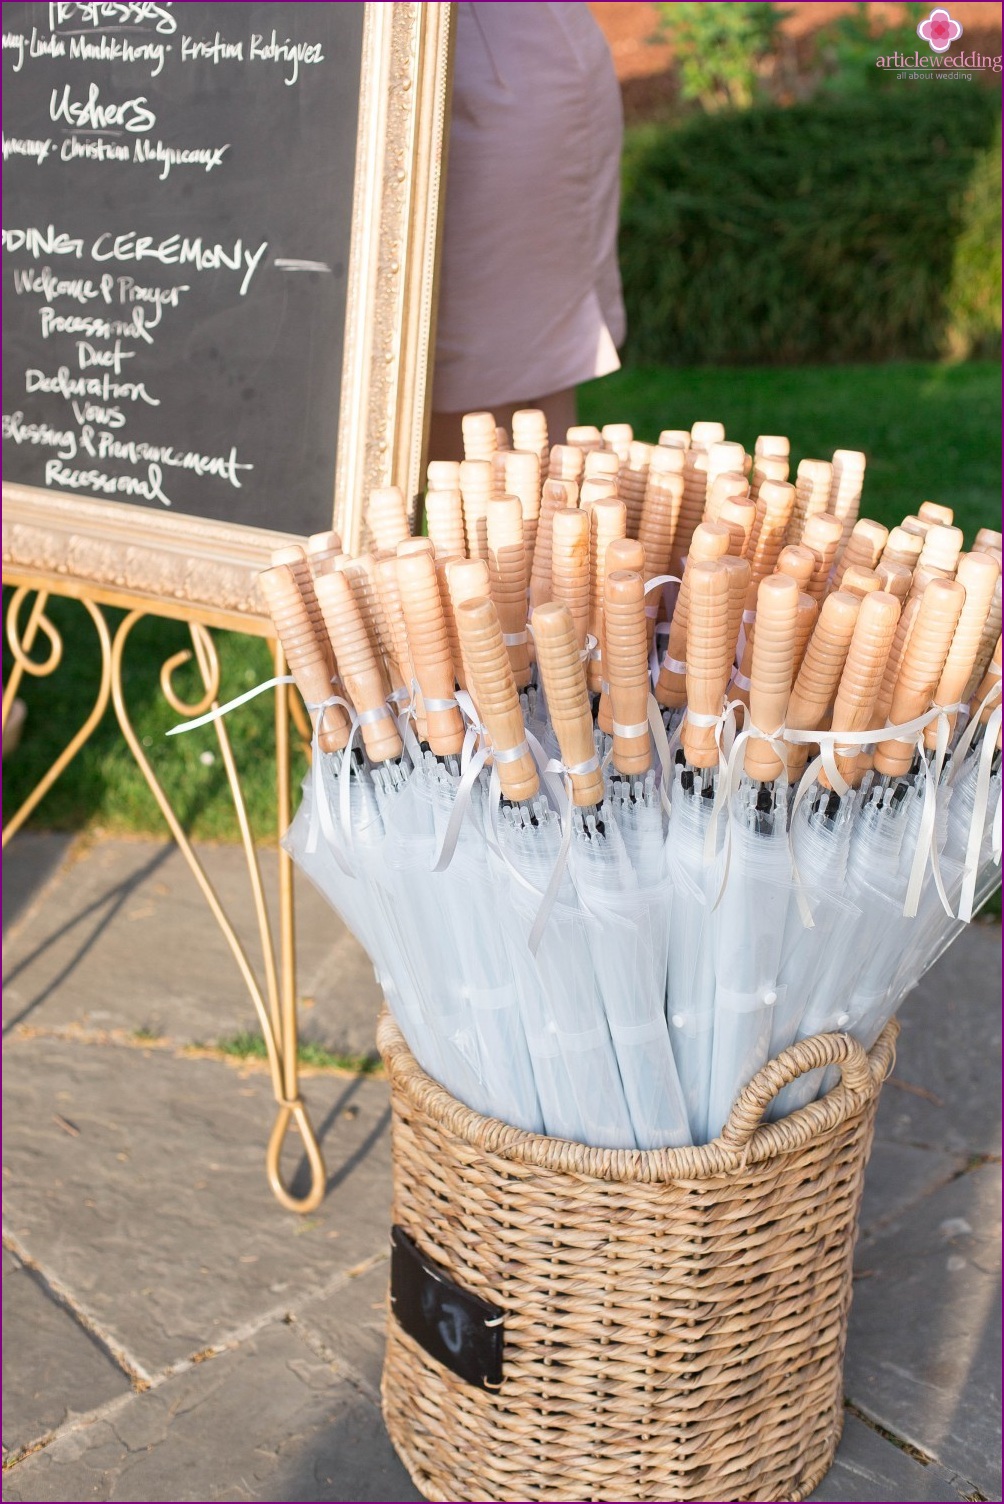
(348, 1325)
(156, 1214)
(93, 955)
(868, 1467)
(30, 863)
(923, 1351)
(949, 1053)
(898, 1174)
(53, 1369)
(270, 1420)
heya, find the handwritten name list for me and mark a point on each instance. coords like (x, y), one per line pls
(177, 213)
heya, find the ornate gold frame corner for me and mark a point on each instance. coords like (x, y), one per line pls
(400, 171)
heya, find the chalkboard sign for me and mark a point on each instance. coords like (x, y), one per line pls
(193, 276)
(177, 220)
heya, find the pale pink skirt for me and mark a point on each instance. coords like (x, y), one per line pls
(530, 295)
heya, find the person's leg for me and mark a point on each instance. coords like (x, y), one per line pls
(559, 409)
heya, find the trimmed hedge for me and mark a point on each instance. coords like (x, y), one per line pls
(859, 229)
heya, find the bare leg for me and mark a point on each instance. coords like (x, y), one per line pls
(560, 410)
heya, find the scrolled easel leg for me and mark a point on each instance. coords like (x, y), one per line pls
(290, 1113)
(276, 1005)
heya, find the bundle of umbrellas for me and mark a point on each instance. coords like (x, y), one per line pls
(643, 764)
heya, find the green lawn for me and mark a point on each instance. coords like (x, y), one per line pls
(930, 432)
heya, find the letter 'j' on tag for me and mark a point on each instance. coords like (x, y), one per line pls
(458, 1329)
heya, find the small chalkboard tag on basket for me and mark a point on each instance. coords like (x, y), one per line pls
(458, 1329)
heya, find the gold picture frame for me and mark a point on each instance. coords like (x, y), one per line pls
(201, 570)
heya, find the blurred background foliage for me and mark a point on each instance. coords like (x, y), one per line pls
(865, 227)
(787, 200)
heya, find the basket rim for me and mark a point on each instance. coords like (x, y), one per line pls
(692, 1163)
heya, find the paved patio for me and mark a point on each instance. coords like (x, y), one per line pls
(172, 1333)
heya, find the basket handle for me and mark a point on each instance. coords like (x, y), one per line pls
(803, 1056)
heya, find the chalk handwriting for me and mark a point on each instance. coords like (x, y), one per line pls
(64, 384)
(293, 53)
(16, 146)
(139, 13)
(175, 250)
(14, 41)
(91, 115)
(150, 489)
(137, 326)
(195, 49)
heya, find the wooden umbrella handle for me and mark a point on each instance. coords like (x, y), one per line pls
(769, 467)
(942, 547)
(710, 542)
(607, 521)
(695, 485)
(818, 676)
(555, 495)
(657, 530)
(322, 550)
(294, 557)
(709, 657)
(450, 619)
(444, 517)
(429, 642)
(507, 580)
(808, 615)
(387, 518)
(933, 511)
(771, 670)
(822, 533)
(629, 554)
(774, 501)
(567, 697)
(739, 575)
(570, 566)
(937, 616)
(360, 667)
(864, 547)
(361, 574)
(496, 696)
(626, 553)
(813, 480)
(729, 485)
(308, 663)
(389, 596)
(861, 582)
(739, 514)
(478, 430)
(861, 679)
(979, 574)
(895, 578)
(565, 462)
(466, 580)
(476, 487)
(626, 668)
(521, 474)
(894, 662)
(798, 562)
(990, 678)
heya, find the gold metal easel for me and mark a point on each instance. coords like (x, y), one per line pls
(274, 997)
(203, 572)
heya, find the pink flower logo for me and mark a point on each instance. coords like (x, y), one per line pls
(940, 30)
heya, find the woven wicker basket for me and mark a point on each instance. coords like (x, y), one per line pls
(674, 1320)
